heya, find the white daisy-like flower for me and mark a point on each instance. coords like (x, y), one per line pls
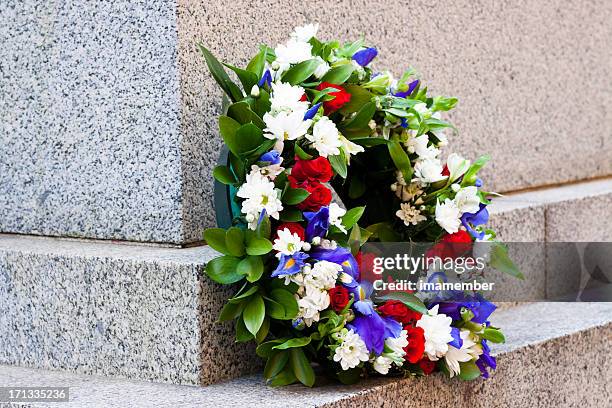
(323, 275)
(437, 330)
(270, 171)
(418, 145)
(259, 194)
(448, 216)
(409, 214)
(314, 301)
(325, 137)
(428, 170)
(286, 126)
(397, 344)
(351, 351)
(287, 243)
(286, 97)
(293, 52)
(467, 200)
(305, 33)
(469, 351)
(335, 216)
(457, 166)
(382, 364)
(350, 148)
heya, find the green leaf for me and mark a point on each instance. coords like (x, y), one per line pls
(224, 269)
(249, 137)
(215, 238)
(301, 367)
(383, 231)
(253, 314)
(264, 228)
(258, 246)
(363, 117)
(228, 128)
(219, 74)
(242, 333)
(264, 350)
(357, 187)
(247, 78)
(239, 298)
(293, 196)
(230, 311)
(338, 163)
(470, 176)
(257, 64)
(493, 335)
(287, 300)
(234, 241)
(406, 298)
(469, 371)
(352, 216)
(224, 175)
(400, 159)
(359, 97)
(350, 376)
(301, 153)
(291, 343)
(275, 310)
(276, 362)
(252, 267)
(301, 72)
(242, 113)
(502, 262)
(291, 214)
(370, 141)
(263, 331)
(338, 75)
(283, 378)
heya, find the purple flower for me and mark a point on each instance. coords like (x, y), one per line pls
(478, 182)
(479, 306)
(310, 113)
(457, 341)
(318, 223)
(406, 93)
(290, 264)
(472, 220)
(273, 157)
(485, 360)
(266, 78)
(364, 57)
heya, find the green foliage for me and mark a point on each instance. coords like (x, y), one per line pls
(401, 160)
(292, 343)
(294, 196)
(224, 175)
(224, 269)
(253, 314)
(502, 262)
(219, 74)
(301, 367)
(352, 216)
(300, 72)
(469, 371)
(252, 267)
(338, 75)
(338, 163)
(406, 298)
(493, 335)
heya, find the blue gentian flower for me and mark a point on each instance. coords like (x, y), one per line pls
(266, 78)
(472, 220)
(273, 157)
(457, 340)
(290, 264)
(318, 223)
(407, 92)
(485, 360)
(310, 113)
(364, 57)
(478, 183)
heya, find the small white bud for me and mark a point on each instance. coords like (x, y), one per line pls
(306, 246)
(394, 187)
(455, 187)
(275, 65)
(255, 91)
(316, 240)
(306, 269)
(250, 217)
(442, 143)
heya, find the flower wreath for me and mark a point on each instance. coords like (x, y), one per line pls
(318, 141)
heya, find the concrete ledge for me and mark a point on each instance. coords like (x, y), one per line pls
(557, 354)
(126, 310)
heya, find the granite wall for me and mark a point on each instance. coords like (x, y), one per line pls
(109, 114)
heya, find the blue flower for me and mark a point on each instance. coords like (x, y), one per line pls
(478, 305)
(485, 360)
(472, 220)
(341, 256)
(457, 341)
(318, 223)
(266, 78)
(406, 93)
(310, 113)
(362, 292)
(273, 157)
(404, 123)
(290, 264)
(364, 57)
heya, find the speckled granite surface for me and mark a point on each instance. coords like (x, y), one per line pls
(122, 310)
(547, 361)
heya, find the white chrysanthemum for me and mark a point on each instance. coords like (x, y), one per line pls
(270, 171)
(397, 344)
(335, 216)
(469, 351)
(382, 364)
(467, 200)
(259, 194)
(409, 214)
(437, 331)
(457, 166)
(322, 68)
(323, 275)
(286, 97)
(286, 126)
(325, 137)
(428, 170)
(328, 243)
(419, 146)
(305, 33)
(448, 216)
(293, 52)
(350, 148)
(314, 301)
(351, 351)
(287, 242)
(439, 132)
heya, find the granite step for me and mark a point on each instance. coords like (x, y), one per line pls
(147, 313)
(556, 354)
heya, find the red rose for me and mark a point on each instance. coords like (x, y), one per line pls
(294, 227)
(318, 169)
(341, 97)
(416, 344)
(399, 311)
(427, 366)
(339, 297)
(319, 194)
(451, 246)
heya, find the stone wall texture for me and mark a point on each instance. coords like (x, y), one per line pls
(108, 113)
